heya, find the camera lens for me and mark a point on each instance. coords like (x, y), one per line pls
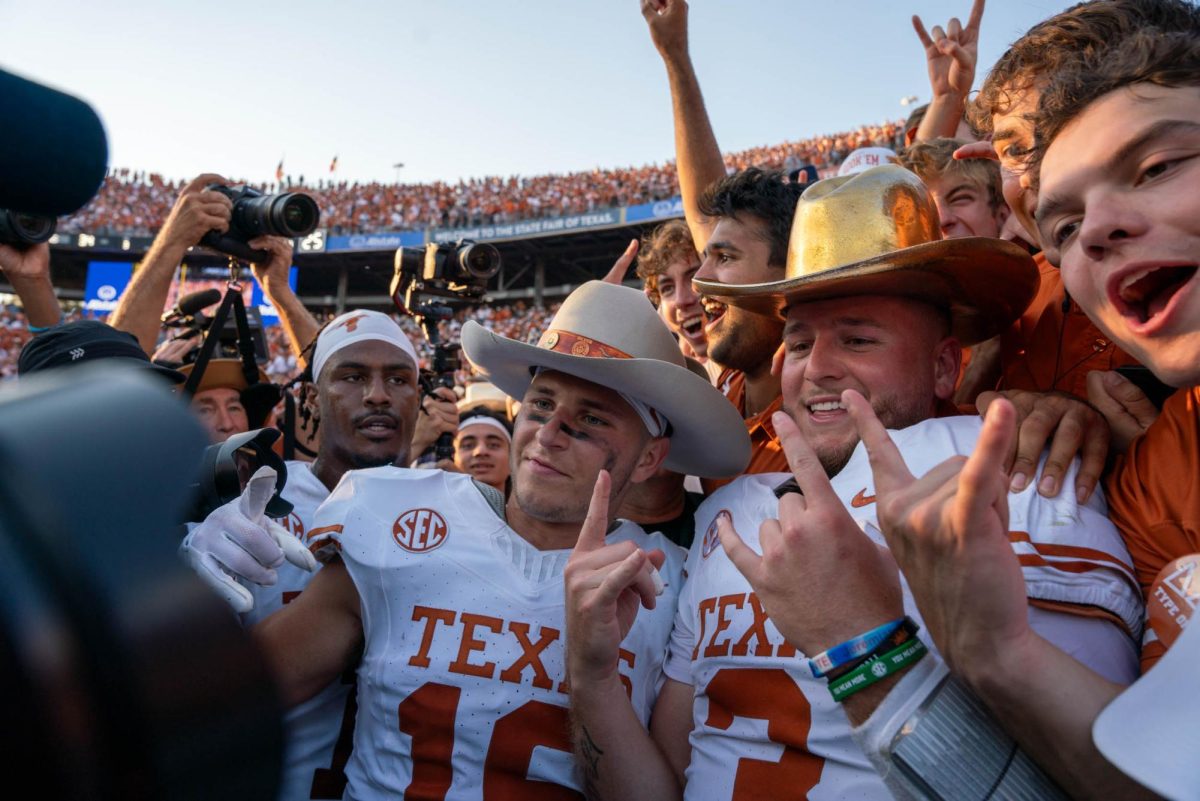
(24, 230)
(294, 214)
(479, 261)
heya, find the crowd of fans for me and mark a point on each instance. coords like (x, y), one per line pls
(518, 321)
(136, 202)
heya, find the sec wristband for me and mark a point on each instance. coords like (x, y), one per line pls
(854, 648)
(877, 669)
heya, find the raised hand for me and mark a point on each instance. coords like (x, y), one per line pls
(605, 585)
(621, 266)
(952, 53)
(948, 532)
(197, 211)
(237, 540)
(278, 266)
(32, 263)
(820, 578)
(668, 26)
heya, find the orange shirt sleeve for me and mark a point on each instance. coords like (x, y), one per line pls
(1153, 493)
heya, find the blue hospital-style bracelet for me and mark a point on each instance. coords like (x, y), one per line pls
(852, 649)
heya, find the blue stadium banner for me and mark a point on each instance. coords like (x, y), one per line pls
(106, 282)
(405, 239)
(528, 229)
(270, 316)
(661, 210)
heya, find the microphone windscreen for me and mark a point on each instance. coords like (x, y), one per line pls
(193, 302)
(53, 151)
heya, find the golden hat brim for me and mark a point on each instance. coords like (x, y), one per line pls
(985, 284)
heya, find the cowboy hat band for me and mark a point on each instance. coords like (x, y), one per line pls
(612, 336)
(878, 232)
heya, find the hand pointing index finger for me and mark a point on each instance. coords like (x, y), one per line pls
(595, 525)
(887, 465)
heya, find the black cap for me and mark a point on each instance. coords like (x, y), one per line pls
(86, 341)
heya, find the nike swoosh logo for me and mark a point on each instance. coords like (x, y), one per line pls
(862, 499)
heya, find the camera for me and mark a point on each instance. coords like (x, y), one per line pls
(289, 214)
(459, 271)
(25, 230)
(188, 315)
(227, 466)
(456, 270)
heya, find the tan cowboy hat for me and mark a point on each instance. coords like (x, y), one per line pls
(223, 373)
(483, 393)
(612, 336)
(877, 232)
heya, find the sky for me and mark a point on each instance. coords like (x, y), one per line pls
(469, 88)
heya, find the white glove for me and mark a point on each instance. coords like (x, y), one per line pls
(238, 541)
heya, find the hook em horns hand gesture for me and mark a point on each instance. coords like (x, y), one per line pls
(820, 578)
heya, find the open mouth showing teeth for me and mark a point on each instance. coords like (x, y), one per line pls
(692, 326)
(713, 309)
(1145, 294)
(826, 406)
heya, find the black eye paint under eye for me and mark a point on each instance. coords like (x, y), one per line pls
(542, 419)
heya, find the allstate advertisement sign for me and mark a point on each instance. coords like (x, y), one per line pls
(106, 281)
(399, 239)
(660, 210)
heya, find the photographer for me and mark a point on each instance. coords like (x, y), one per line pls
(196, 212)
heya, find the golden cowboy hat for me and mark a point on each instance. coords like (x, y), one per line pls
(612, 336)
(878, 233)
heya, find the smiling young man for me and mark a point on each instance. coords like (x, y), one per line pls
(667, 262)
(455, 598)
(877, 304)
(1119, 151)
(481, 447)
(752, 210)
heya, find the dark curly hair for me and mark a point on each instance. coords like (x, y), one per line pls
(764, 194)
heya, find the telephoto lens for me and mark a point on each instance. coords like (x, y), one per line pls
(25, 230)
(290, 214)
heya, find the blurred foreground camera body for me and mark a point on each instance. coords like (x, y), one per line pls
(126, 678)
(458, 269)
(288, 214)
(25, 230)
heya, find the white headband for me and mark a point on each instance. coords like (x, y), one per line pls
(652, 419)
(484, 420)
(359, 326)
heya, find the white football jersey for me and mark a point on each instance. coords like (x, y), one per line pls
(763, 725)
(461, 689)
(316, 748)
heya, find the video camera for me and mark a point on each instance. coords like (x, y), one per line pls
(457, 271)
(289, 214)
(188, 315)
(23, 231)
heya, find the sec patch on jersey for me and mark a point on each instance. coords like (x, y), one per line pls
(420, 530)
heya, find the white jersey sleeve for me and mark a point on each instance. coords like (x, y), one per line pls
(462, 686)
